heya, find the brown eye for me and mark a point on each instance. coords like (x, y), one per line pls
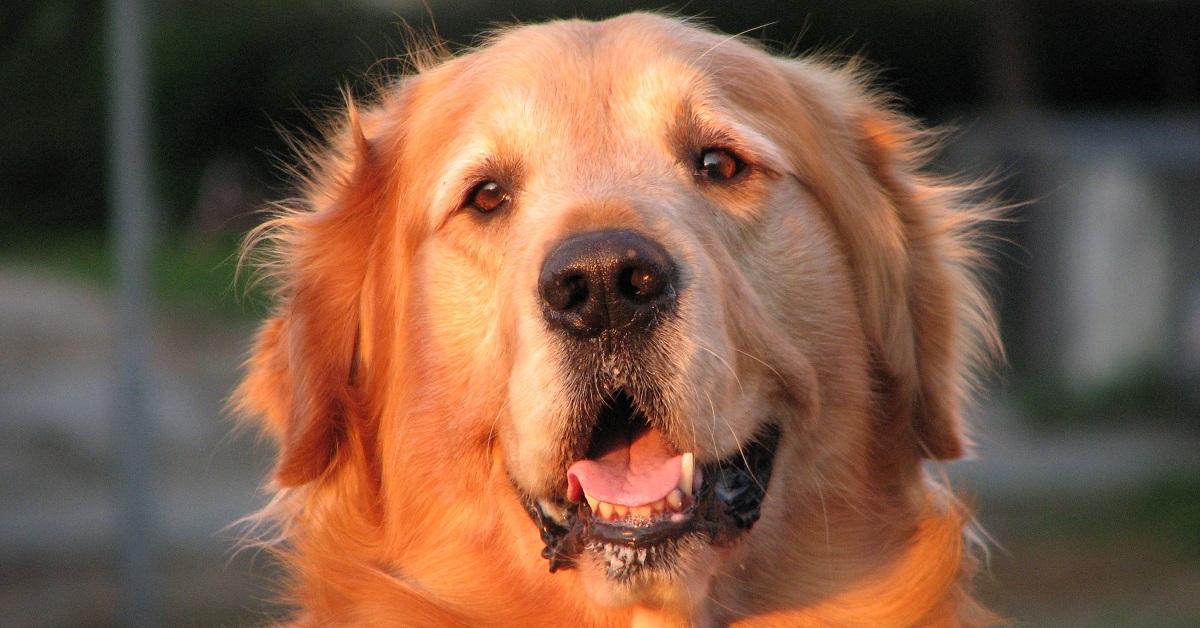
(487, 196)
(717, 164)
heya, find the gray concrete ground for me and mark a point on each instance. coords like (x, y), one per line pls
(57, 513)
(57, 517)
(1010, 462)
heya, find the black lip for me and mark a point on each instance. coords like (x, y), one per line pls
(728, 505)
(641, 535)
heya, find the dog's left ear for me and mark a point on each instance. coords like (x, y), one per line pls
(910, 240)
(931, 348)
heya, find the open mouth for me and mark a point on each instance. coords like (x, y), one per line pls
(633, 501)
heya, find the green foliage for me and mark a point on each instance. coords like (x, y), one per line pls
(1144, 393)
(1124, 556)
(1164, 509)
(189, 275)
(51, 115)
(233, 77)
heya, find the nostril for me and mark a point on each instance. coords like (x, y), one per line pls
(642, 284)
(565, 291)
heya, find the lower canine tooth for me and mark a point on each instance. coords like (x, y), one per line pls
(675, 499)
(592, 501)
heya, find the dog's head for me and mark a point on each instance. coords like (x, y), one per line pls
(681, 306)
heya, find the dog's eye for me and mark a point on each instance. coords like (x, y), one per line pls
(487, 197)
(718, 164)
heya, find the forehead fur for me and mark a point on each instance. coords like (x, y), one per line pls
(638, 80)
(640, 60)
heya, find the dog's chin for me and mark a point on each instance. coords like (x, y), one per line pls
(675, 574)
(664, 557)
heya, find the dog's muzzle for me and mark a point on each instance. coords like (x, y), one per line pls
(632, 500)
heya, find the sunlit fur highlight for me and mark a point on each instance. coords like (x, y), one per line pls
(393, 491)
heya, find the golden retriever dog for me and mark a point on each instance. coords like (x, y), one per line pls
(620, 323)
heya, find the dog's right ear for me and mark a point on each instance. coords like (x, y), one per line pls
(301, 376)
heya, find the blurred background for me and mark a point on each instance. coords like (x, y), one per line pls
(1085, 113)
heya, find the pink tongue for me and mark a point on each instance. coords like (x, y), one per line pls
(642, 472)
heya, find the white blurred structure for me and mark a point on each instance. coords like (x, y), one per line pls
(1108, 249)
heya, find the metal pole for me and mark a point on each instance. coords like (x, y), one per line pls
(132, 212)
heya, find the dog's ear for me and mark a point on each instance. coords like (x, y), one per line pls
(301, 376)
(911, 242)
(931, 347)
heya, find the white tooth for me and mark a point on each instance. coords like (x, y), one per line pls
(592, 501)
(606, 510)
(621, 511)
(687, 468)
(675, 499)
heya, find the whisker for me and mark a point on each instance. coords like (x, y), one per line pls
(692, 425)
(709, 596)
(742, 453)
(819, 482)
(712, 432)
(779, 375)
(727, 366)
(730, 38)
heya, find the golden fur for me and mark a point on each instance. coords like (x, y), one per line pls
(415, 394)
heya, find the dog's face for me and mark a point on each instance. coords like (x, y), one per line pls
(671, 299)
(651, 283)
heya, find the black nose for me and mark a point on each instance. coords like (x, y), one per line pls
(606, 280)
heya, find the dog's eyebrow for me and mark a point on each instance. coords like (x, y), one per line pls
(478, 159)
(708, 125)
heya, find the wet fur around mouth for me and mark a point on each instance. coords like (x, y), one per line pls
(622, 377)
(727, 505)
